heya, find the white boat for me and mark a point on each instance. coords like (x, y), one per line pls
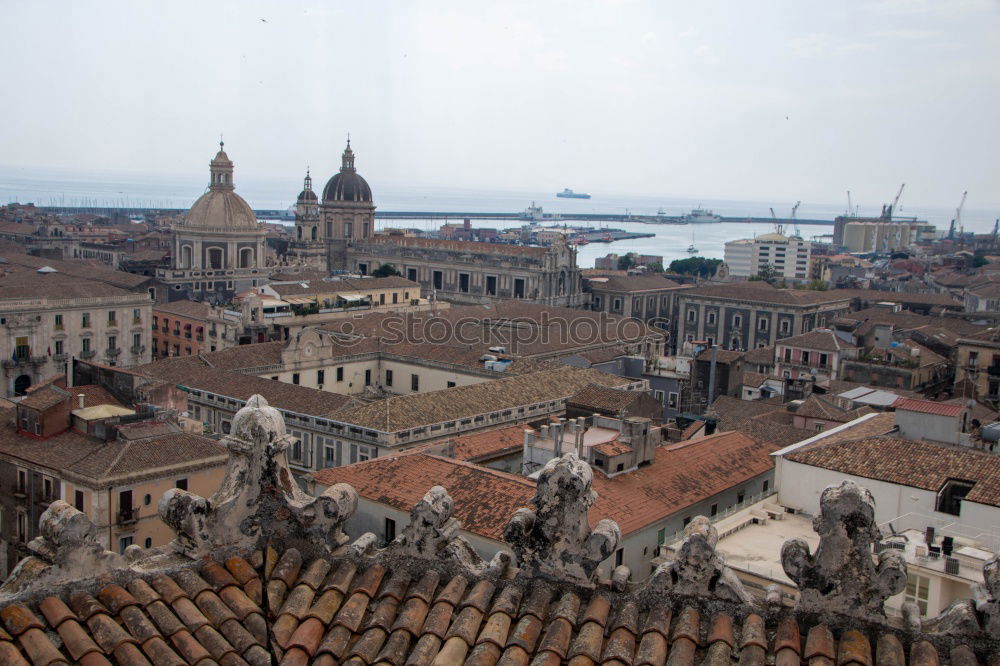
(702, 215)
(535, 214)
(691, 248)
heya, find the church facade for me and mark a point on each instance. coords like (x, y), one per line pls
(337, 233)
(218, 246)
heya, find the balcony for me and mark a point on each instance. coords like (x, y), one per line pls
(128, 516)
(39, 359)
(136, 351)
(14, 362)
(59, 358)
(87, 353)
(993, 370)
(165, 329)
(113, 352)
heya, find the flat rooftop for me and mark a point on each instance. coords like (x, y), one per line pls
(757, 548)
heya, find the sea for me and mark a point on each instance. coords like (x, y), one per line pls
(65, 188)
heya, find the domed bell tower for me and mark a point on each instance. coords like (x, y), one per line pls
(347, 211)
(309, 243)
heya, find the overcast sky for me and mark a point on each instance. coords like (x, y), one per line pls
(757, 100)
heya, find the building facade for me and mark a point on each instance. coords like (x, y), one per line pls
(781, 256)
(337, 233)
(751, 315)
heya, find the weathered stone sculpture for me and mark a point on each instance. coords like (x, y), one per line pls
(68, 549)
(842, 577)
(258, 502)
(698, 570)
(555, 540)
(433, 535)
(987, 597)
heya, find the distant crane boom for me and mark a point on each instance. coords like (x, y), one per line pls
(850, 206)
(795, 208)
(778, 227)
(895, 202)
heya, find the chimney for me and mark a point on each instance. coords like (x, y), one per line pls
(80, 397)
(543, 432)
(529, 436)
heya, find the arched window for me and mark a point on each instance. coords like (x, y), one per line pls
(314, 233)
(246, 258)
(215, 258)
(298, 231)
(21, 384)
(187, 252)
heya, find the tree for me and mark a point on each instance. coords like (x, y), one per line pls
(626, 262)
(385, 270)
(767, 273)
(979, 260)
(655, 267)
(699, 266)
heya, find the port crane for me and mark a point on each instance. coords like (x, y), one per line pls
(957, 222)
(850, 206)
(778, 227)
(795, 223)
(887, 213)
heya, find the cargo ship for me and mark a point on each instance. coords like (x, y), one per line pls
(570, 194)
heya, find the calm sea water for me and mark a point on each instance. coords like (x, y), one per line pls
(671, 241)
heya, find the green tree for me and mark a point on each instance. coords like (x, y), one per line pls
(385, 270)
(626, 262)
(655, 267)
(979, 260)
(699, 266)
(767, 273)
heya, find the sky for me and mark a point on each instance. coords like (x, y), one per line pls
(742, 100)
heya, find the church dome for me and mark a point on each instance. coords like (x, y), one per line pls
(220, 207)
(306, 196)
(347, 185)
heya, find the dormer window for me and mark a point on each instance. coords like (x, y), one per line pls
(949, 498)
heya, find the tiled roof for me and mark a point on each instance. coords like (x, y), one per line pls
(602, 355)
(244, 356)
(93, 272)
(819, 407)
(691, 429)
(484, 498)
(721, 356)
(875, 296)
(99, 461)
(759, 356)
(732, 411)
(93, 395)
(418, 409)
(486, 444)
(761, 292)
(600, 397)
(19, 283)
(910, 320)
(822, 340)
(184, 308)
(680, 475)
(633, 283)
(330, 611)
(195, 375)
(928, 407)
(45, 397)
(753, 379)
(909, 463)
(612, 448)
(766, 430)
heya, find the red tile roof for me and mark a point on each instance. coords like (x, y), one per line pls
(612, 448)
(490, 443)
(928, 407)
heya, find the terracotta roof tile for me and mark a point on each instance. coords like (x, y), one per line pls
(928, 407)
(909, 463)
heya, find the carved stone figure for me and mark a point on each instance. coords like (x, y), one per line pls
(68, 549)
(258, 502)
(987, 597)
(698, 570)
(555, 540)
(842, 576)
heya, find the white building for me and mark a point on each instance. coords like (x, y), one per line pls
(788, 256)
(936, 503)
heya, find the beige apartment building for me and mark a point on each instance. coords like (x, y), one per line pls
(100, 457)
(978, 365)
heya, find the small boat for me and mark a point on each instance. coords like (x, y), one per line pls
(581, 240)
(691, 248)
(570, 194)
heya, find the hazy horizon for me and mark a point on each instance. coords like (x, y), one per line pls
(728, 101)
